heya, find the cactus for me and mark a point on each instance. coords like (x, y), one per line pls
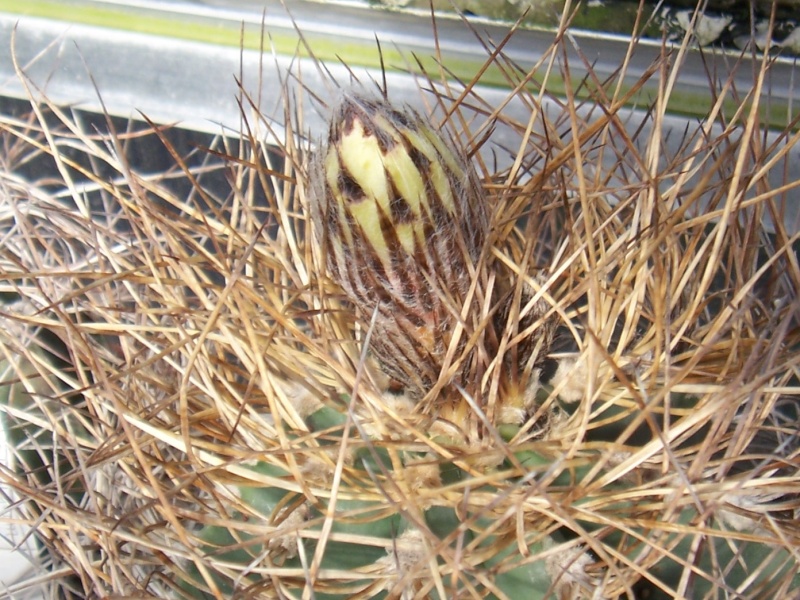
(379, 368)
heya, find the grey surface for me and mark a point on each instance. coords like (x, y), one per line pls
(156, 74)
(176, 81)
(457, 40)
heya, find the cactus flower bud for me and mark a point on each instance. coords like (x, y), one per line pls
(401, 220)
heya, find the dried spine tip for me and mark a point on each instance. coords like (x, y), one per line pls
(401, 220)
